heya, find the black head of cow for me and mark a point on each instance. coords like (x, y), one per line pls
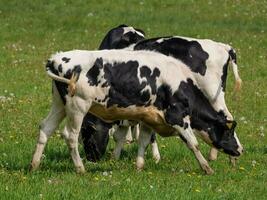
(228, 141)
(121, 37)
(212, 125)
(220, 134)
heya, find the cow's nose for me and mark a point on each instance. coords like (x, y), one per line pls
(240, 150)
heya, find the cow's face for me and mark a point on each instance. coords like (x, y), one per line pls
(229, 141)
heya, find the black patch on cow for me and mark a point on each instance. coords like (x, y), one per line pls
(95, 137)
(60, 68)
(125, 89)
(93, 73)
(224, 75)
(77, 70)
(232, 55)
(153, 138)
(150, 77)
(50, 66)
(164, 95)
(65, 59)
(115, 39)
(63, 87)
(189, 52)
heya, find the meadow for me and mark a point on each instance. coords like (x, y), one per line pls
(32, 30)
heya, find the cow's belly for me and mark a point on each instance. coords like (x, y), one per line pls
(149, 115)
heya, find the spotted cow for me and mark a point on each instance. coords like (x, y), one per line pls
(208, 60)
(157, 90)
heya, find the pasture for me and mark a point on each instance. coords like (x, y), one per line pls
(30, 31)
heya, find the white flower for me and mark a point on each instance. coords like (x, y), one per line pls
(105, 173)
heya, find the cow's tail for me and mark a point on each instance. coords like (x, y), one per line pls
(51, 72)
(238, 81)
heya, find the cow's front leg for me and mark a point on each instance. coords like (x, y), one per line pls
(189, 138)
(129, 136)
(155, 149)
(119, 138)
(213, 154)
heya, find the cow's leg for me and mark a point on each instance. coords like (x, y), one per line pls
(155, 149)
(189, 138)
(129, 138)
(213, 154)
(47, 127)
(143, 141)
(76, 109)
(119, 138)
(136, 131)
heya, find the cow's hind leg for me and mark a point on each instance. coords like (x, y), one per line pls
(47, 127)
(76, 109)
(189, 138)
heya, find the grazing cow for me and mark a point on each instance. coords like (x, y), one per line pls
(157, 90)
(121, 37)
(208, 60)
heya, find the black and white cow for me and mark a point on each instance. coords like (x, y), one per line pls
(157, 90)
(208, 60)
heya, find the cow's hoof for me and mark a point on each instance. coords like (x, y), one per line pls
(213, 154)
(232, 161)
(140, 162)
(80, 170)
(156, 158)
(208, 171)
(33, 167)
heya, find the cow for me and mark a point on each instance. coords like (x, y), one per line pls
(207, 59)
(156, 90)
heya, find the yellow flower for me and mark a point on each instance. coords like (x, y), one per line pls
(241, 168)
(197, 190)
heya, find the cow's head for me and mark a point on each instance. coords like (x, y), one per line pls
(223, 137)
(229, 141)
(121, 37)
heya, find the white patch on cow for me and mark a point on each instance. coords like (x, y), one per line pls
(160, 40)
(240, 147)
(131, 29)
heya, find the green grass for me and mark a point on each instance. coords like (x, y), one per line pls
(30, 31)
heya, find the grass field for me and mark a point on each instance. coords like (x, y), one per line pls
(30, 31)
